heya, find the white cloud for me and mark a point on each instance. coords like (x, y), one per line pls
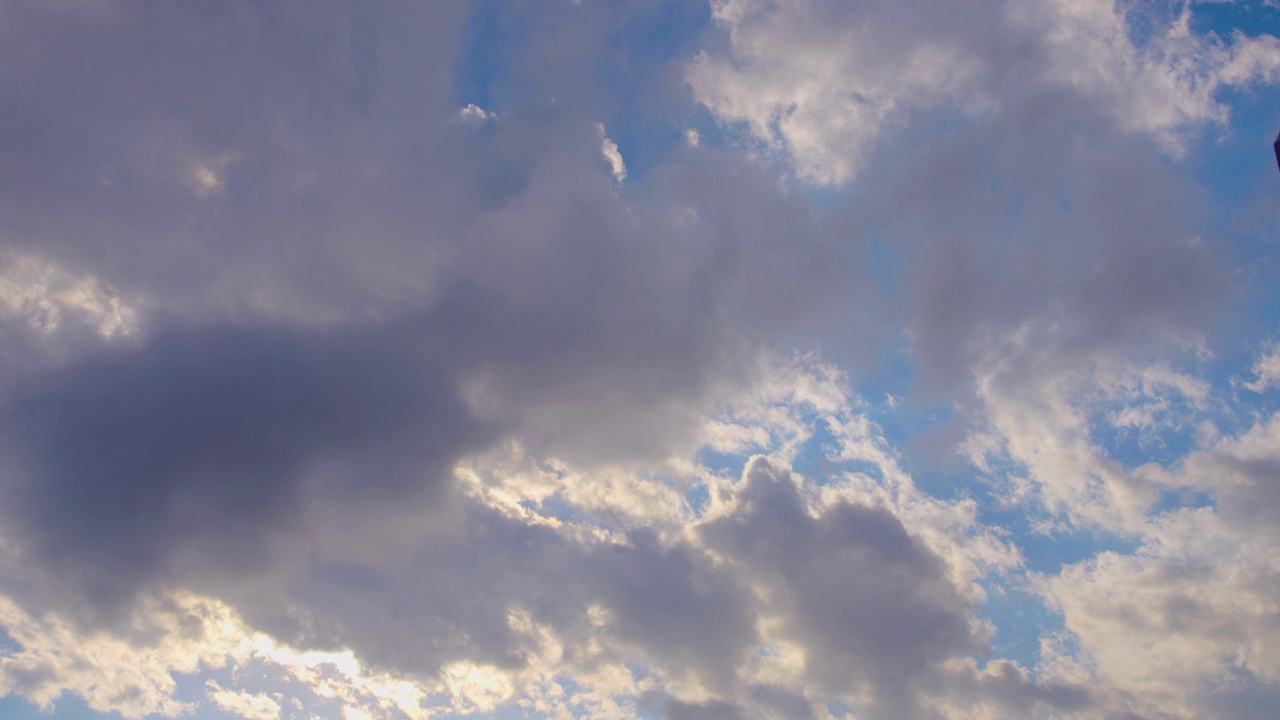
(477, 688)
(1184, 619)
(1175, 627)
(1053, 413)
(473, 114)
(609, 149)
(1165, 84)
(822, 83)
(351, 712)
(133, 676)
(1266, 370)
(250, 706)
(1183, 624)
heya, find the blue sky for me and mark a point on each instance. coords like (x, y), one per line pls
(777, 359)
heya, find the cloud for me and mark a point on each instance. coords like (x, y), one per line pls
(1178, 624)
(194, 144)
(1168, 627)
(316, 334)
(609, 149)
(713, 710)
(509, 604)
(210, 441)
(336, 348)
(868, 602)
(44, 297)
(1053, 415)
(825, 82)
(133, 674)
(250, 706)
(822, 82)
(1266, 371)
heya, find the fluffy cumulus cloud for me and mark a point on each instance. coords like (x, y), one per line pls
(781, 359)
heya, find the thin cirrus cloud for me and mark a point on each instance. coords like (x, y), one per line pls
(408, 360)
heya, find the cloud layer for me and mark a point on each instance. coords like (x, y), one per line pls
(440, 359)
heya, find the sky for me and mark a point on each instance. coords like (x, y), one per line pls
(661, 359)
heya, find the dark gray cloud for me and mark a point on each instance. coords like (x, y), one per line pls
(290, 157)
(1007, 690)
(453, 596)
(779, 702)
(1101, 245)
(664, 603)
(675, 605)
(222, 163)
(868, 602)
(345, 287)
(210, 438)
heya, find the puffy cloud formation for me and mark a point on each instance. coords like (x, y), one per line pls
(415, 360)
(824, 81)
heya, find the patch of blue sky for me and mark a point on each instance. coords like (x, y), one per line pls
(699, 499)
(1047, 543)
(1177, 423)
(1048, 551)
(1256, 406)
(911, 418)
(1182, 498)
(256, 676)
(506, 711)
(646, 109)
(1147, 21)
(951, 479)
(927, 439)
(1236, 162)
(66, 707)
(710, 130)
(904, 417)
(1172, 434)
(192, 688)
(831, 196)
(1021, 618)
(819, 459)
(650, 711)
(1134, 447)
(1251, 17)
(816, 459)
(555, 506)
(480, 74)
(990, 488)
(839, 709)
(723, 464)
(1241, 408)
(1236, 165)
(888, 264)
